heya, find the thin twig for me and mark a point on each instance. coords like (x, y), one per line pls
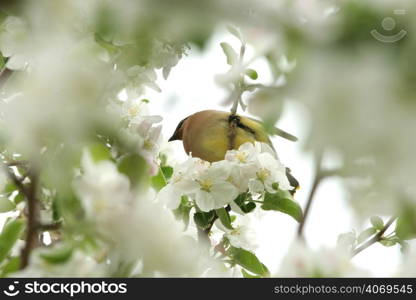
(17, 181)
(239, 91)
(235, 102)
(32, 213)
(32, 221)
(203, 234)
(378, 237)
(319, 175)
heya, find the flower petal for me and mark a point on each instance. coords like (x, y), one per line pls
(204, 200)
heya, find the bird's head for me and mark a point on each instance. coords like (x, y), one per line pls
(177, 135)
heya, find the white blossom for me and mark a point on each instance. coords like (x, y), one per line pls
(143, 125)
(182, 181)
(245, 165)
(212, 190)
(242, 235)
(138, 78)
(207, 184)
(146, 231)
(141, 129)
(13, 42)
(3, 179)
(253, 167)
(245, 154)
(137, 111)
(165, 56)
(407, 268)
(102, 189)
(78, 265)
(269, 172)
(125, 217)
(303, 262)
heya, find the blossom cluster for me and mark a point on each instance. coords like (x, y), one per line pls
(142, 129)
(301, 261)
(122, 217)
(253, 167)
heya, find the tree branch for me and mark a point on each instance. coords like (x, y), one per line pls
(319, 176)
(235, 102)
(238, 86)
(17, 181)
(203, 234)
(378, 237)
(32, 221)
(32, 213)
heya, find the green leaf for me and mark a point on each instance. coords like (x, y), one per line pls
(56, 214)
(3, 15)
(6, 205)
(225, 219)
(283, 201)
(248, 261)
(251, 73)
(167, 171)
(57, 255)
(347, 239)
(19, 198)
(10, 188)
(229, 53)
(245, 207)
(134, 166)
(248, 275)
(158, 181)
(366, 234)
(406, 224)
(377, 222)
(67, 206)
(2, 61)
(99, 152)
(111, 48)
(388, 242)
(234, 31)
(10, 234)
(204, 219)
(182, 212)
(11, 266)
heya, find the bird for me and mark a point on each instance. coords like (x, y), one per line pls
(209, 134)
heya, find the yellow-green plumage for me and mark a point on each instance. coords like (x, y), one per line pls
(209, 134)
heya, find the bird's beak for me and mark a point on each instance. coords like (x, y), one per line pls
(177, 135)
(173, 138)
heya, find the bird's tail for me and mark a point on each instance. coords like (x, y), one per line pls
(284, 134)
(294, 183)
